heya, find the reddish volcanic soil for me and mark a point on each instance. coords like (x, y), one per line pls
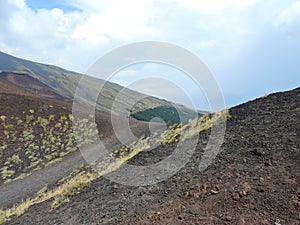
(7, 87)
(14, 101)
(254, 180)
(24, 81)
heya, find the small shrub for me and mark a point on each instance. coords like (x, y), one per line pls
(51, 117)
(22, 176)
(6, 173)
(15, 159)
(3, 147)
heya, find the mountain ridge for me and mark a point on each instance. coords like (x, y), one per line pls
(65, 82)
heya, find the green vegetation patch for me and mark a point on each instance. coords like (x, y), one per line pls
(168, 114)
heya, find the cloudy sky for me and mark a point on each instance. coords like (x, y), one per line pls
(251, 46)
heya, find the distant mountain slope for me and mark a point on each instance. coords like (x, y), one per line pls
(64, 84)
(31, 84)
(7, 87)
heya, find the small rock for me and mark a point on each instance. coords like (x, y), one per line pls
(242, 193)
(277, 222)
(228, 218)
(260, 189)
(289, 165)
(196, 195)
(297, 205)
(258, 152)
(214, 192)
(268, 163)
(180, 217)
(241, 221)
(265, 222)
(261, 180)
(235, 196)
(158, 213)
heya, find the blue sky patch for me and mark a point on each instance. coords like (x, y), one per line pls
(44, 4)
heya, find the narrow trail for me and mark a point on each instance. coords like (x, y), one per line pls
(16, 191)
(19, 190)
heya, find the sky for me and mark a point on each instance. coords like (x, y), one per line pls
(252, 47)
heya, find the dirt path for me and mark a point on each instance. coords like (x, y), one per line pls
(16, 191)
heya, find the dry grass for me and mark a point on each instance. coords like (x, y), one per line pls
(74, 185)
(65, 191)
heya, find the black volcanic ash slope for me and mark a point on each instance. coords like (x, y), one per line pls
(254, 180)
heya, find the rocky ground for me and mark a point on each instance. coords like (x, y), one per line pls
(254, 180)
(17, 105)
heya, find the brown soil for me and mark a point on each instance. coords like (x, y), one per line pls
(30, 84)
(14, 102)
(7, 87)
(254, 180)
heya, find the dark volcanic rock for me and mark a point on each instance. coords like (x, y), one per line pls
(250, 191)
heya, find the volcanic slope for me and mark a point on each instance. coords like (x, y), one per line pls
(254, 180)
(31, 84)
(36, 135)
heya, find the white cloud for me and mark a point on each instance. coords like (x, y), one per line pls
(42, 35)
(220, 32)
(118, 19)
(289, 15)
(217, 6)
(216, 30)
(56, 37)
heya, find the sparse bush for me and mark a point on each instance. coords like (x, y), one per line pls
(6, 173)
(51, 117)
(172, 134)
(22, 175)
(15, 159)
(3, 147)
(41, 141)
